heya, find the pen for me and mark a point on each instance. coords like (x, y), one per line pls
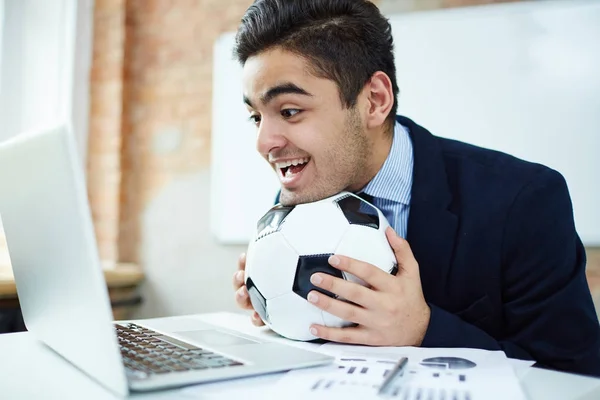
(396, 372)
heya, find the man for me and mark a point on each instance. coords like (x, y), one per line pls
(494, 261)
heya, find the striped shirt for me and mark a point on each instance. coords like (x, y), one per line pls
(391, 187)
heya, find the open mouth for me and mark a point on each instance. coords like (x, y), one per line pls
(290, 169)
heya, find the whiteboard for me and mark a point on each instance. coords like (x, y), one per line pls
(523, 78)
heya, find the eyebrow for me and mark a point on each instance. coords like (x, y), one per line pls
(278, 90)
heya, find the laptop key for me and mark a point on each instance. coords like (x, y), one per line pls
(231, 363)
(212, 364)
(218, 358)
(162, 371)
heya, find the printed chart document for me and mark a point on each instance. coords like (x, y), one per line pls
(439, 374)
(431, 374)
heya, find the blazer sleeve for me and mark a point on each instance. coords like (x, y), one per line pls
(548, 312)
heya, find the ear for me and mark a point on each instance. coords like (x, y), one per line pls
(380, 99)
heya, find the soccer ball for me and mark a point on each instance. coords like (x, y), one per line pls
(292, 243)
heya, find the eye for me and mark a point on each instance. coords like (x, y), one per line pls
(255, 118)
(290, 112)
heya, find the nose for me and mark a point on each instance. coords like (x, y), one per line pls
(271, 136)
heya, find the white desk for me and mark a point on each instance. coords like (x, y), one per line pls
(30, 370)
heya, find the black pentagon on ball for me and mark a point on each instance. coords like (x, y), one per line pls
(259, 303)
(308, 265)
(358, 211)
(272, 220)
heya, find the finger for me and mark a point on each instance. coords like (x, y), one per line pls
(346, 311)
(238, 279)
(242, 261)
(352, 335)
(407, 264)
(372, 275)
(242, 299)
(256, 320)
(350, 291)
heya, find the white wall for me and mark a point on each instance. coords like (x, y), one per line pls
(186, 272)
(518, 77)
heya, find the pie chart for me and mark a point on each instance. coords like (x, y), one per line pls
(448, 363)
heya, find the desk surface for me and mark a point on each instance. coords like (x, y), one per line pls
(30, 370)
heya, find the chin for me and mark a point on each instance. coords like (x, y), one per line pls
(287, 198)
(292, 198)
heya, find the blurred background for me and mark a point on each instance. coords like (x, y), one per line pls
(138, 80)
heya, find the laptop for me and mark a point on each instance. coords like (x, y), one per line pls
(63, 294)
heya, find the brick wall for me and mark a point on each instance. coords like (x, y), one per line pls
(151, 90)
(167, 113)
(106, 106)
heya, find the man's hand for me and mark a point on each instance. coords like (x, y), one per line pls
(241, 293)
(391, 312)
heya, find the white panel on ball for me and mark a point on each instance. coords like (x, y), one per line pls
(294, 315)
(277, 261)
(333, 321)
(315, 228)
(368, 245)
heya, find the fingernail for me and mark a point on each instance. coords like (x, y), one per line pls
(334, 260)
(316, 279)
(241, 292)
(312, 297)
(313, 331)
(240, 276)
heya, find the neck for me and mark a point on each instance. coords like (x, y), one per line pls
(381, 145)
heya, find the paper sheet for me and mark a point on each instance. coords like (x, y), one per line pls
(432, 374)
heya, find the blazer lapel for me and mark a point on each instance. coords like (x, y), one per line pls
(431, 226)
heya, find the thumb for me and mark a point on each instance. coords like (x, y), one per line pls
(402, 251)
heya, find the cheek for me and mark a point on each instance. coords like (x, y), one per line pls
(324, 142)
(329, 159)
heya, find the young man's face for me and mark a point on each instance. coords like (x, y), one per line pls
(315, 145)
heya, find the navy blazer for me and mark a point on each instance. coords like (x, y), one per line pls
(502, 266)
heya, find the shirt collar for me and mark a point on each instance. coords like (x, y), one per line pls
(394, 179)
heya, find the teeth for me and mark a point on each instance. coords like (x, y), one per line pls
(297, 161)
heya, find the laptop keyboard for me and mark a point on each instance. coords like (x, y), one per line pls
(146, 352)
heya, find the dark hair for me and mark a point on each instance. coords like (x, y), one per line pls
(346, 41)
